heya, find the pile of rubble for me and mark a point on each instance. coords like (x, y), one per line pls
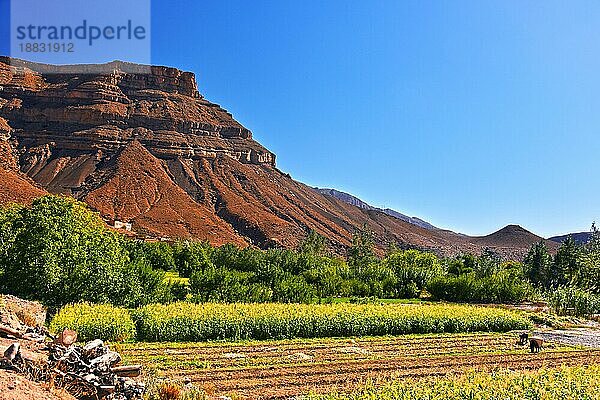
(91, 371)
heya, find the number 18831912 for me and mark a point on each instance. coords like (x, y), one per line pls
(35, 47)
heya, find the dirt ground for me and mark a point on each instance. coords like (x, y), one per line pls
(284, 369)
(16, 387)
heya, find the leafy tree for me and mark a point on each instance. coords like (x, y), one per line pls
(413, 269)
(593, 245)
(565, 269)
(330, 277)
(190, 257)
(375, 279)
(222, 284)
(463, 264)
(313, 244)
(63, 253)
(160, 255)
(488, 264)
(293, 289)
(589, 270)
(8, 233)
(362, 251)
(538, 263)
(514, 269)
(144, 285)
(497, 288)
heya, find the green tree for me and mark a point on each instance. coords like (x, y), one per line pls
(589, 271)
(63, 253)
(593, 245)
(565, 269)
(160, 255)
(190, 257)
(330, 277)
(538, 263)
(462, 265)
(362, 251)
(313, 244)
(413, 270)
(488, 263)
(8, 233)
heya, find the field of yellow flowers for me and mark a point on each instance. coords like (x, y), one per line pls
(565, 383)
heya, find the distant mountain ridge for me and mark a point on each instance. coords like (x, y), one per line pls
(355, 201)
(579, 237)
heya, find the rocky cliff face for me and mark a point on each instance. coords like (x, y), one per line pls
(147, 148)
(66, 124)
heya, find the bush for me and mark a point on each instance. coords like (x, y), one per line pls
(98, 321)
(413, 270)
(293, 289)
(220, 284)
(502, 287)
(573, 301)
(200, 322)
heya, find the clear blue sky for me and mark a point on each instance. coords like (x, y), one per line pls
(469, 114)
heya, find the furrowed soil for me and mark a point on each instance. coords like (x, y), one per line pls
(283, 369)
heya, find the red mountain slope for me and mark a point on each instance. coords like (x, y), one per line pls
(14, 186)
(17, 189)
(138, 189)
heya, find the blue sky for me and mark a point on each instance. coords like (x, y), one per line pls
(469, 114)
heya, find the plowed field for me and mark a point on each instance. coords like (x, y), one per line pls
(282, 369)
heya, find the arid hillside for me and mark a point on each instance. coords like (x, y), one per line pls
(148, 148)
(14, 186)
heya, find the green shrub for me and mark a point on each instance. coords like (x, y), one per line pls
(573, 301)
(413, 270)
(502, 287)
(99, 321)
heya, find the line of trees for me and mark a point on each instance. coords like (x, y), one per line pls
(56, 250)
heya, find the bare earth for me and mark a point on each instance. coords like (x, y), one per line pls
(283, 369)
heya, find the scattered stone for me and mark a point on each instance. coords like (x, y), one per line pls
(299, 357)
(129, 371)
(188, 385)
(234, 355)
(66, 338)
(353, 350)
(94, 349)
(10, 332)
(12, 352)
